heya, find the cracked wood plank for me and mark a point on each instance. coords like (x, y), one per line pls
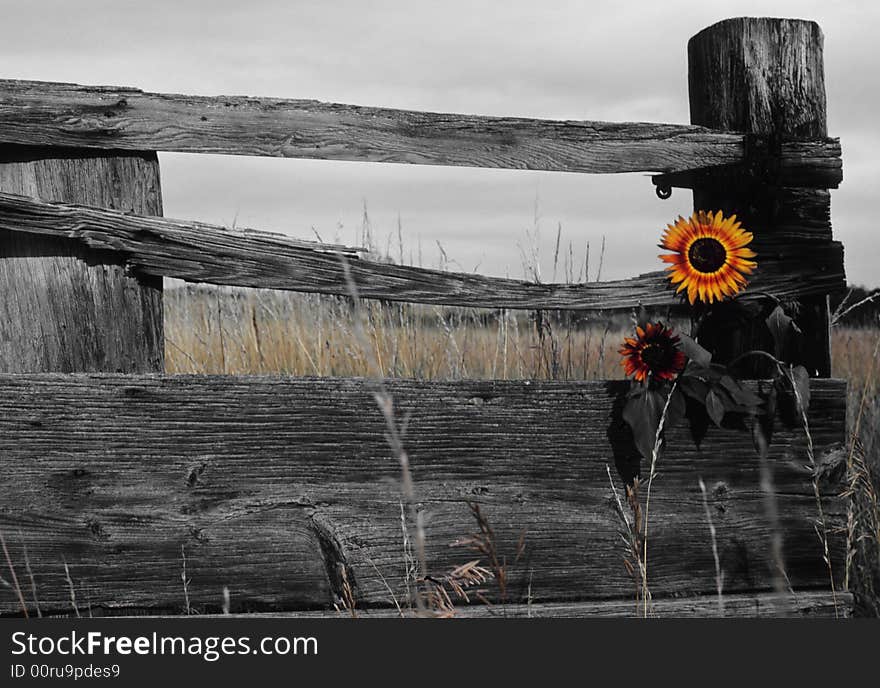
(111, 117)
(795, 261)
(274, 486)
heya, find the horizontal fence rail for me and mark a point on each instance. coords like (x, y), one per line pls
(809, 604)
(272, 486)
(115, 118)
(198, 252)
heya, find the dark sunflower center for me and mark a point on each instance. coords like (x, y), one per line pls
(654, 356)
(707, 255)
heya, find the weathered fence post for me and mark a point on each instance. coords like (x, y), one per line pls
(64, 307)
(766, 77)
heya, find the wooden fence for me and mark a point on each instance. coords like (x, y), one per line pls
(284, 490)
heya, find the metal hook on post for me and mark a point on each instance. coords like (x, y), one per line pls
(760, 170)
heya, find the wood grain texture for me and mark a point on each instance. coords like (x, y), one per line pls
(199, 252)
(269, 483)
(766, 76)
(40, 113)
(65, 306)
(759, 75)
(809, 604)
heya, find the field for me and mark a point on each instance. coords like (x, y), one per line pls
(236, 331)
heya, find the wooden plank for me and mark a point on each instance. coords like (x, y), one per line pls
(198, 252)
(813, 604)
(41, 113)
(806, 604)
(765, 76)
(64, 306)
(269, 483)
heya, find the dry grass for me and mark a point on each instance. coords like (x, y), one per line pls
(855, 353)
(237, 331)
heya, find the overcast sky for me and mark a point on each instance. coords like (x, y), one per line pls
(618, 60)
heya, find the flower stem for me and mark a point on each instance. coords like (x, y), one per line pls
(654, 455)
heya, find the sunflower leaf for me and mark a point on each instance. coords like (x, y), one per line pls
(694, 351)
(731, 405)
(642, 413)
(636, 388)
(781, 328)
(696, 371)
(698, 420)
(726, 398)
(715, 406)
(716, 372)
(694, 387)
(677, 408)
(739, 394)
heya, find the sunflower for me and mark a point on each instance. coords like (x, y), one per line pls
(653, 351)
(709, 258)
